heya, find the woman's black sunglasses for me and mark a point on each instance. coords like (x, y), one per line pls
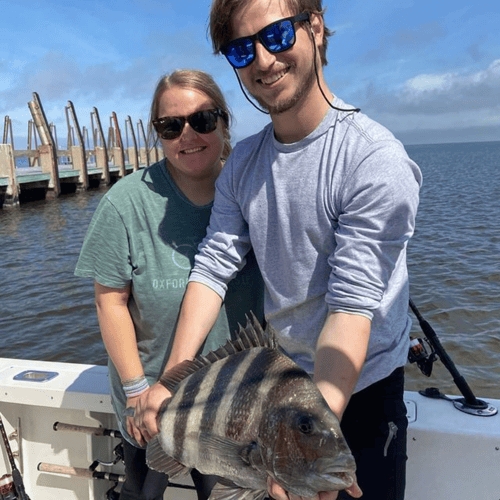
(275, 37)
(202, 122)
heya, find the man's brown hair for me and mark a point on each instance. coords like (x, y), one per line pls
(222, 11)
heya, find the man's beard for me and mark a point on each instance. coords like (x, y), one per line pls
(279, 107)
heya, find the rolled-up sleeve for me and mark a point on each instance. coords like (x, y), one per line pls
(222, 252)
(376, 209)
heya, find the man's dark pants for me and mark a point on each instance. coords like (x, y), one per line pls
(372, 416)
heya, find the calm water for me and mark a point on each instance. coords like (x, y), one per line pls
(454, 260)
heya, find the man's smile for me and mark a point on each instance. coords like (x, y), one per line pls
(274, 77)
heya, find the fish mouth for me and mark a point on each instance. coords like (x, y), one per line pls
(346, 478)
(339, 478)
(341, 474)
(331, 480)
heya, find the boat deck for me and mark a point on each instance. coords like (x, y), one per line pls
(452, 455)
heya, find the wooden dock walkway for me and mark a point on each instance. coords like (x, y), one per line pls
(51, 171)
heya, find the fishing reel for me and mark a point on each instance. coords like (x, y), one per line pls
(118, 457)
(423, 356)
(92, 471)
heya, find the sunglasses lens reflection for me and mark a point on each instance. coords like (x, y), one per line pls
(173, 127)
(277, 37)
(202, 122)
(241, 53)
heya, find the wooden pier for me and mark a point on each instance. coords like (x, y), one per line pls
(50, 171)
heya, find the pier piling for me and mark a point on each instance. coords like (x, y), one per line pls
(8, 170)
(101, 152)
(87, 161)
(133, 154)
(118, 152)
(47, 150)
(77, 152)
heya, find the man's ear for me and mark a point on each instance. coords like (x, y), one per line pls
(317, 28)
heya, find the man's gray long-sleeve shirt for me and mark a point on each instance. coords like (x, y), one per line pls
(329, 218)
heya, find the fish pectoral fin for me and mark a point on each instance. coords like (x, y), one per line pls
(229, 450)
(226, 490)
(158, 460)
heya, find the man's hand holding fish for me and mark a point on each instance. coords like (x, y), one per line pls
(278, 493)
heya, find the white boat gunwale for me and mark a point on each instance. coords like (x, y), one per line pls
(451, 454)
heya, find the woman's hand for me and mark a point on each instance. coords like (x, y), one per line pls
(132, 429)
(147, 405)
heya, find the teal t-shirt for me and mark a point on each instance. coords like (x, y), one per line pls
(145, 232)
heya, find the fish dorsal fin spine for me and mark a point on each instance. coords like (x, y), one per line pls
(250, 337)
(178, 373)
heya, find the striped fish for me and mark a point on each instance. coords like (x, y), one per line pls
(246, 412)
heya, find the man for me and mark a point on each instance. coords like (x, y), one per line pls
(327, 198)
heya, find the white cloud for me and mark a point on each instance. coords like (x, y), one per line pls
(439, 83)
(435, 107)
(441, 93)
(424, 83)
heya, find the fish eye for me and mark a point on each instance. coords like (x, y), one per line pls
(305, 424)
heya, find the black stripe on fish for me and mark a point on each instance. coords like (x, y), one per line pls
(293, 374)
(199, 402)
(249, 392)
(228, 372)
(184, 408)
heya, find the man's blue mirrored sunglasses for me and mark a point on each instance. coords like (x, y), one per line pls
(275, 37)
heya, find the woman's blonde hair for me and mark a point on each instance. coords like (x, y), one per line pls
(196, 80)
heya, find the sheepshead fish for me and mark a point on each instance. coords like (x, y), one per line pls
(245, 412)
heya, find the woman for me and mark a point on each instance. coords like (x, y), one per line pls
(139, 250)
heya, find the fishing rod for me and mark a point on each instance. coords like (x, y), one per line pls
(111, 494)
(469, 403)
(95, 431)
(16, 475)
(91, 472)
(80, 472)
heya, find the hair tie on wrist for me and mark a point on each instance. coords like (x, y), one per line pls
(135, 386)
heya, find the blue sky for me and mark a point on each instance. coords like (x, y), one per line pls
(429, 71)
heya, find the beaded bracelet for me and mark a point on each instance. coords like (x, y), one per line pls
(135, 386)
